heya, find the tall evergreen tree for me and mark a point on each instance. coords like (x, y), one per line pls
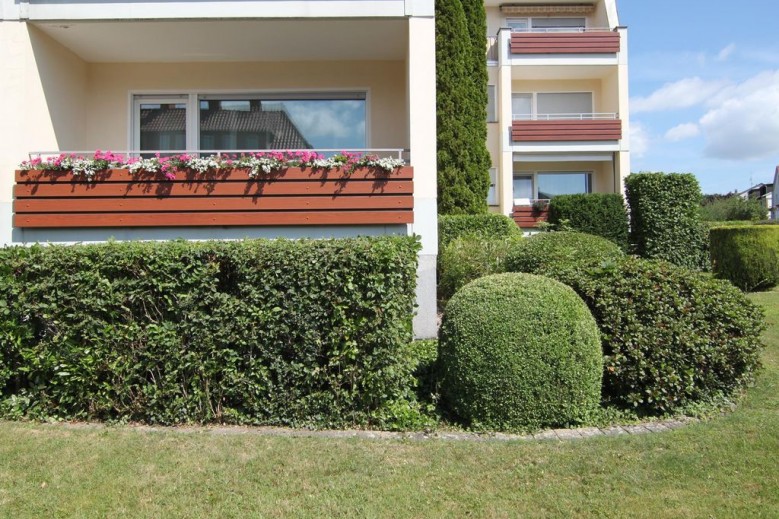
(463, 159)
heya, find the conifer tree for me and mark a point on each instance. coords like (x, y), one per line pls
(461, 82)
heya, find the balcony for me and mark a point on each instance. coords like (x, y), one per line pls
(123, 195)
(528, 216)
(565, 41)
(567, 128)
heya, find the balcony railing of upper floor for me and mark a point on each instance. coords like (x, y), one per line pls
(566, 127)
(567, 40)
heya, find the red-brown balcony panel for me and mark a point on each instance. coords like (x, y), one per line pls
(595, 42)
(116, 198)
(528, 217)
(566, 130)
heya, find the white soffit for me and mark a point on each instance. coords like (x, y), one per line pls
(232, 40)
(579, 157)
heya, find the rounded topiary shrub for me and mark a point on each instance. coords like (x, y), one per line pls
(519, 351)
(671, 336)
(746, 256)
(552, 252)
(468, 258)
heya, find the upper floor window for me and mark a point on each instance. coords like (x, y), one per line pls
(547, 24)
(552, 105)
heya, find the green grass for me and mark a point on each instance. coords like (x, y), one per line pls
(724, 467)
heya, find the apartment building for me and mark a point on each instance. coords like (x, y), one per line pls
(558, 111)
(159, 76)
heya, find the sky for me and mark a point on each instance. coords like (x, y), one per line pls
(704, 89)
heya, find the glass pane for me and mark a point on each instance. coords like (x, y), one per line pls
(558, 23)
(246, 124)
(517, 24)
(492, 194)
(553, 184)
(492, 108)
(163, 126)
(521, 106)
(523, 187)
(569, 103)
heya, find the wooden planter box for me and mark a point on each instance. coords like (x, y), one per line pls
(294, 196)
(527, 217)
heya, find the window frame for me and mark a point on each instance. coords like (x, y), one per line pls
(533, 175)
(529, 23)
(534, 102)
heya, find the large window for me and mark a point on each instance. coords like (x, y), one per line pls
(545, 185)
(250, 122)
(552, 105)
(553, 24)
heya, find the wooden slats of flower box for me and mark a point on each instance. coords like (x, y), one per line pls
(596, 42)
(527, 217)
(117, 198)
(567, 130)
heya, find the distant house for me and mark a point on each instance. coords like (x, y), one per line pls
(764, 193)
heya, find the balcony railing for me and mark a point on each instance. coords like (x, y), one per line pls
(528, 216)
(558, 30)
(566, 117)
(288, 195)
(566, 129)
(586, 41)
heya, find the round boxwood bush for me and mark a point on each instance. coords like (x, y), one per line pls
(468, 258)
(671, 336)
(519, 351)
(552, 252)
(746, 256)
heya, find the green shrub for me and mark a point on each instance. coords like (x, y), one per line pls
(593, 213)
(671, 336)
(746, 256)
(260, 331)
(733, 208)
(664, 219)
(468, 258)
(519, 351)
(556, 251)
(490, 225)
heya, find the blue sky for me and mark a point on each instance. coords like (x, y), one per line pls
(704, 89)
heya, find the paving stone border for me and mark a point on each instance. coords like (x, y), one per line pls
(545, 435)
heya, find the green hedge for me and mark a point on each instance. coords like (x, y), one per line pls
(664, 219)
(671, 336)
(560, 250)
(519, 351)
(600, 214)
(264, 332)
(746, 256)
(468, 258)
(491, 225)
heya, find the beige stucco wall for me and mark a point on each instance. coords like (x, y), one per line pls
(110, 85)
(43, 108)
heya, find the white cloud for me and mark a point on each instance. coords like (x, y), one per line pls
(682, 131)
(725, 53)
(743, 120)
(639, 139)
(680, 94)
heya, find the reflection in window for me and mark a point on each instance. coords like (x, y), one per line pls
(228, 124)
(523, 187)
(163, 126)
(553, 184)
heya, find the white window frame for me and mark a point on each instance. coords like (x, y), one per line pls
(529, 22)
(492, 104)
(492, 194)
(534, 176)
(534, 100)
(192, 100)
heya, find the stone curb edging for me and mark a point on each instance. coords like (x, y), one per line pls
(546, 435)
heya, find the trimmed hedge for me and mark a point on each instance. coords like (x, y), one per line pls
(262, 332)
(600, 214)
(519, 351)
(468, 258)
(664, 219)
(490, 225)
(561, 250)
(671, 336)
(746, 256)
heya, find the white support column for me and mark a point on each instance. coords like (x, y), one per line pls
(623, 157)
(505, 117)
(421, 92)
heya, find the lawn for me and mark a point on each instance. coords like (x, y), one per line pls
(725, 467)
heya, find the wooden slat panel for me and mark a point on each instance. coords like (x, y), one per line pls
(173, 189)
(82, 220)
(528, 218)
(123, 175)
(573, 130)
(565, 43)
(210, 204)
